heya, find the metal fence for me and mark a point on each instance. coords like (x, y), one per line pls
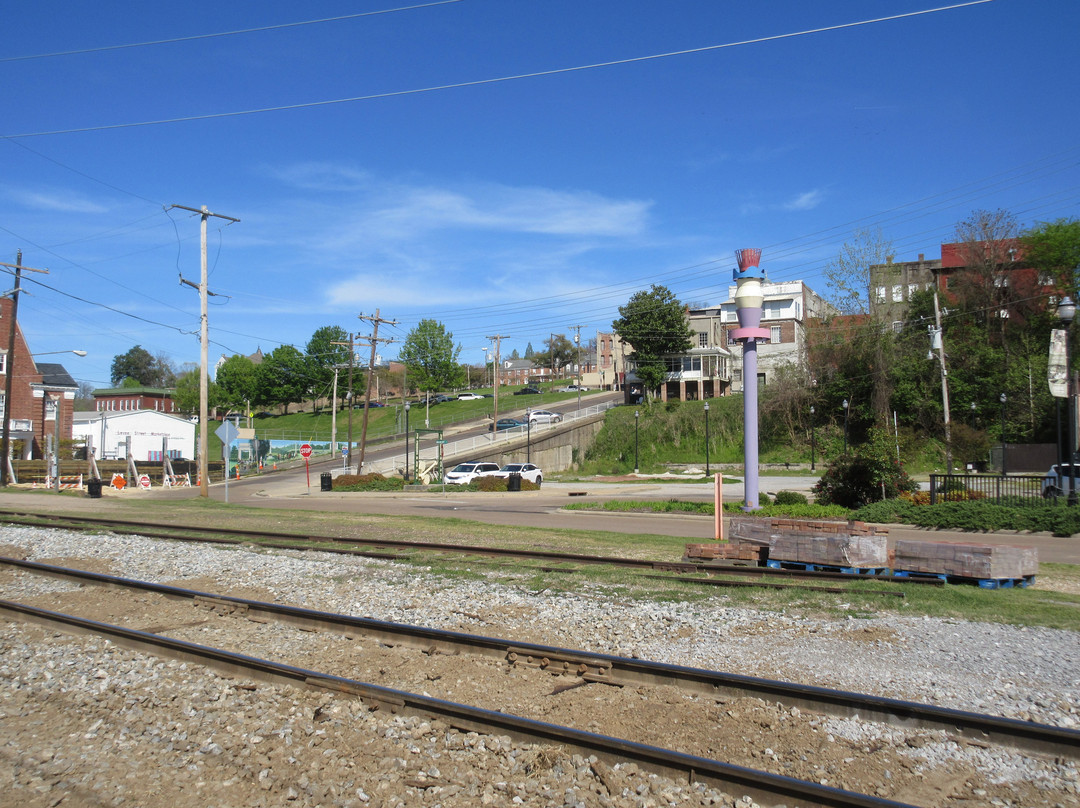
(481, 444)
(992, 488)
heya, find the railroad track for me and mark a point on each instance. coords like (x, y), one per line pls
(401, 550)
(582, 667)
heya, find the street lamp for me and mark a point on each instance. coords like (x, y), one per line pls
(1066, 311)
(636, 419)
(1002, 399)
(706, 438)
(973, 409)
(847, 410)
(812, 438)
(406, 441)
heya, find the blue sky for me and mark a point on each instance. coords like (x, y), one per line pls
(510, 167)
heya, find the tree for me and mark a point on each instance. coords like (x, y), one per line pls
(281, 378)
(849, 273)
(236, 381)
(324, 353)
(559, 353)
(654, 324)
(139, 365)
(1054, 247)
(431, 357)
(187, 392)
(529, 351)
(514, 354)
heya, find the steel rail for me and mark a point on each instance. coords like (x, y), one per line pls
(763, 787)
(286, 541)
(621, 671)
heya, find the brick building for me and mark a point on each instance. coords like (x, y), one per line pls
(127, 399)
(39, 390)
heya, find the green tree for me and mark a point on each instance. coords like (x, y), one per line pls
(849, 273)
(187, 392)
(431, 357)
(654, 324)
(1054, 247)
(529, 351)
(282, 378)
(324, 353)
(143, 368)
(558, 354)
(236, 382)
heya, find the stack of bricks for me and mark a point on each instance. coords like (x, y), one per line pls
(832, 551)
(727, 551)
(982, 561)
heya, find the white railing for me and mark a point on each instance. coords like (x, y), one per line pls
(479, 445)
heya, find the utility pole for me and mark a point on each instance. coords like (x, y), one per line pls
(9, 376)
(348, 397)
(204, 336)
(577, 350)
(940, 340)
(497, 339)
(371, 369)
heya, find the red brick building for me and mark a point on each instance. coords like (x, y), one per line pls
(38, 391)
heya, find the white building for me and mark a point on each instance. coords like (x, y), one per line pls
(145, 434)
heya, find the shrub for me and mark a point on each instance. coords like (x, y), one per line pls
(763, 499)
(499, 484)
(367, 482)
(869, 475)
(790, 498)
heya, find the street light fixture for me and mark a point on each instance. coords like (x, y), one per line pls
(813, 437)
(636, 420)
(973, 409)
(1002, 398)
(707, 439)
(406, 441)
(1066, 311)
(847, 410)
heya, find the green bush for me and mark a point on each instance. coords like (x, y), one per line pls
(763, 499)
(871, 474)
(499, 484)
(367, 482)
(790, 498)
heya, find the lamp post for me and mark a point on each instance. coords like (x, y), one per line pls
(847, 409)
(812, 438)
(1002, 398)
(406, 441)
(706, 438)
(528, 439)
(636, 420)
(973, 409)
(1066, 311)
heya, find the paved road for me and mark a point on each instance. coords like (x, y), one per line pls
(290, 490)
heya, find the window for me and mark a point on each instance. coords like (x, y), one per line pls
(897, 326)
(879, 294)
(774, 334)
(703, 339)
(1001, 281)
(3, 404)
(912, 288)
(50, 408)
(3, 361)
(897, 293)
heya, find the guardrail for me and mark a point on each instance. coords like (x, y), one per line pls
(995, 488)
(480, 444)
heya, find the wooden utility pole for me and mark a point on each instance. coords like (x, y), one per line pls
(204, 353)
(371, 370)
(497, 339)
(9, 376)
(940, 339)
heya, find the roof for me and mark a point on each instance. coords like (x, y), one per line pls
(166, 392)
(89, 416)
(54, 375)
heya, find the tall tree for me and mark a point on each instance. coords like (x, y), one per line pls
(282, 378)
(529, 351)
(187, 392)
(431, 357)
(654, 324)
(849, 272)
(558, 354)
(142, 369)
(236, 382)
(324, 353)
(1054, 247)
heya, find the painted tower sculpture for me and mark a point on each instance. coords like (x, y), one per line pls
(748, 305)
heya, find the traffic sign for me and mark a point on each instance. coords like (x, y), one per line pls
(305, 450)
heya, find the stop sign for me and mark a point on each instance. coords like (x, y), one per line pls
(305, 450)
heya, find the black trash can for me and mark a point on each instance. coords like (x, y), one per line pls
(93, 488)
(513, 482)
(327, 481)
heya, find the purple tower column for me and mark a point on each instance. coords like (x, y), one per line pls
(748, 304)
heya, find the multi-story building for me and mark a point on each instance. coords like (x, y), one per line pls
(40, 393)
(787, 310)
(129, 399)
(703, 372)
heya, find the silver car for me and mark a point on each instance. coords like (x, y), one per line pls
(544, 417)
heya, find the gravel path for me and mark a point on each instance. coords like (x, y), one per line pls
(76, 724)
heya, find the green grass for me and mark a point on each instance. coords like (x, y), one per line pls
(707, 508)
(1024, 607)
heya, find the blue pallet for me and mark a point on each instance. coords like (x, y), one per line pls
(798, 565)
(982, 583)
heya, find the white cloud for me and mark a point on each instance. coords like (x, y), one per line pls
(57, 201)
(805, 201)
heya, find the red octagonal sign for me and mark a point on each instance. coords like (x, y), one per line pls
(305, 450)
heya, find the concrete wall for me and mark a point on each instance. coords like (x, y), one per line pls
(552, 450)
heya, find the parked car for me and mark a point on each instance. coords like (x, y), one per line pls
(528, 471)
(470, 397)
(544, 417)
(443, 399)
(573, 388)
(1056, 481)
(465, 473)
(506, 423)
(359, 405)
(527, 391)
